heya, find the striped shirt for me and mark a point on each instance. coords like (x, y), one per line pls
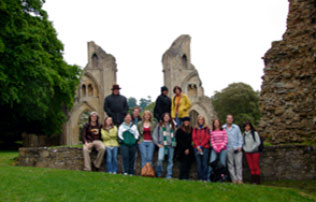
(218, 140)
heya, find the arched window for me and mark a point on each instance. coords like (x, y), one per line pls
(192, 90)
(95, 60)
(84, 92)
(90, 90)
(193, 116)
(184, 60)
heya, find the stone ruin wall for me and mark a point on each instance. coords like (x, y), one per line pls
(276, 162)
(179, 71)
(288, 96)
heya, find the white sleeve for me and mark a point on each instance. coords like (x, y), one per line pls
(120, 132)
(135, 131)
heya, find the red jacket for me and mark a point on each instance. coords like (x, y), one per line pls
(201, 137)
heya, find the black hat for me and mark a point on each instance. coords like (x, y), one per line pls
(186, 119)
(164, 88)
(116, 87)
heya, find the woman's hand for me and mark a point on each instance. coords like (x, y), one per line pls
(160, 146)
(187, 152)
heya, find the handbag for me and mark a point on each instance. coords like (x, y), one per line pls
(147, 171)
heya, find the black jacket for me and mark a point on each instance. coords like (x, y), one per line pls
(184, 142)
(163, 105)
(116, 107)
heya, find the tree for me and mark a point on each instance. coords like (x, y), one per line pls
(143, 102)
(240, 100)
(37, 85)
(150, 107)
(132, 102)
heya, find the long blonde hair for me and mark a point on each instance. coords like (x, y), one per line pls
(197, 122)
(150, 114)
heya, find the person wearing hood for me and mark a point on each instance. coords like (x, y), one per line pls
(91, 138)
(115, 105)
(163, 104)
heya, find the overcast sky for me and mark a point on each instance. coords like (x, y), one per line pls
(229, 37)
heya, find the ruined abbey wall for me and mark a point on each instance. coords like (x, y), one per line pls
(288, 95)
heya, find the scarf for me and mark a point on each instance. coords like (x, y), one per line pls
(165, 134)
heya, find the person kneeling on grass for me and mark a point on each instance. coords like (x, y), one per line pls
(109, 137)
(128, 135)
(251, 148)
(91, 138)
(164, 138)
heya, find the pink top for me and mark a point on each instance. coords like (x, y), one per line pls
(218, 140)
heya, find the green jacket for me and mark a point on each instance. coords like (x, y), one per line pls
(109, 137)
(140, 127)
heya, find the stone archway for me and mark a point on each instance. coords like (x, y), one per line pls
(193, 116)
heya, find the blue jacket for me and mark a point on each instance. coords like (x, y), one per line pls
(235, 139)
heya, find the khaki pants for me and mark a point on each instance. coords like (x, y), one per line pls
(234, 164)
(99, 146)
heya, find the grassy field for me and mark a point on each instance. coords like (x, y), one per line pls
(39, 184)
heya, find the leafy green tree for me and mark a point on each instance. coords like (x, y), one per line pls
(143, 102)
(37, 85)
(132, 102)
(150, 107)
(240, 100)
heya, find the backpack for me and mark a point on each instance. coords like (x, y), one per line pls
(261, 146)
(128, 138)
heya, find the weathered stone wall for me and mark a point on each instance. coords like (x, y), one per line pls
(277, 162)
(96, 82)
(288, 95)
(179, 71)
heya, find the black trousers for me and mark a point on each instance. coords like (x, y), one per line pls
(185, 165)
(128, 155)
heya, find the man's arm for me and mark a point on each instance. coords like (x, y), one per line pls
(157, 109)
(106, 107)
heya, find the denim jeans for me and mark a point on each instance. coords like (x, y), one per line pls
(111, 159)
(222, 159)
(202, 163)
(161, 156)
(146, 150)
(128, 155)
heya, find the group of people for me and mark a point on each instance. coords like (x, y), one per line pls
(215, 150)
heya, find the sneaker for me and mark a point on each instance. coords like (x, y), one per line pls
(125, 173)
(114, 173)
(130, 174)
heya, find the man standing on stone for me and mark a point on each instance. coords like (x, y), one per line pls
(163, 104)
(115, 105)
(234, 149)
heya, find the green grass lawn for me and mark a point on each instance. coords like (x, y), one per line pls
(40, 184)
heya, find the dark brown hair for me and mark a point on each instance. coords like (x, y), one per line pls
(170, 121)
(220, 125)
(186, 129)
(175, 88)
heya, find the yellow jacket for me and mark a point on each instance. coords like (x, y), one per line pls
(184, 107)
(109, 137)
